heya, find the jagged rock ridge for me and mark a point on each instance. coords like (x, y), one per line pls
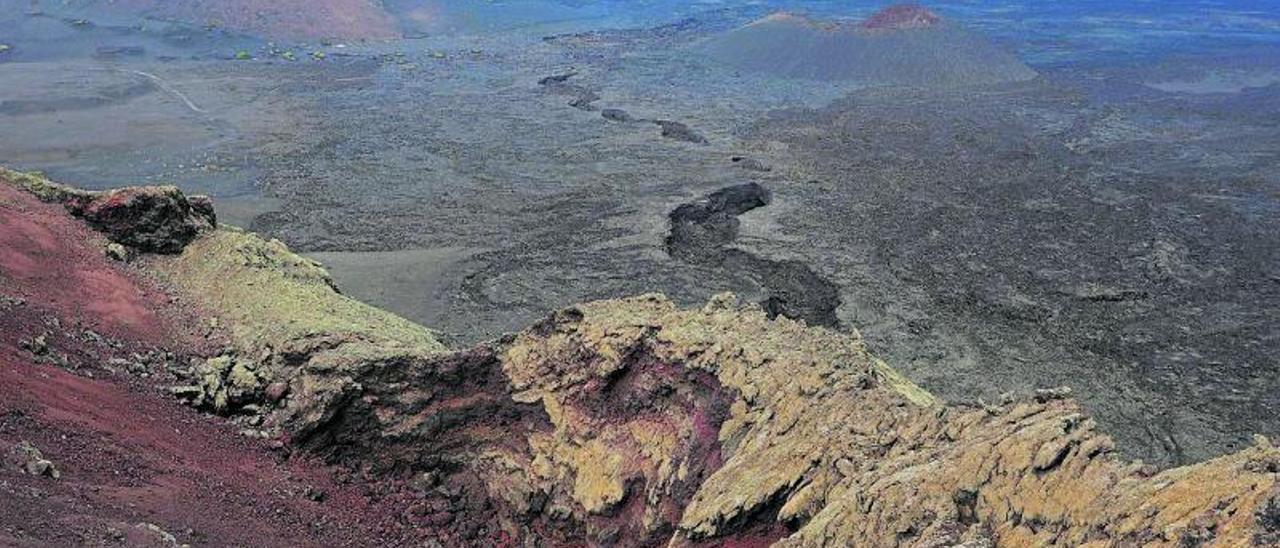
(634, 422)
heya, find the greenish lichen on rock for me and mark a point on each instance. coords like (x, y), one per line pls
(40, 187)
(300, 344)
(225, 385)
(635, 419)
(117, 252)
(153, 219)
(271, 297)
(635, 422)
(26, 458)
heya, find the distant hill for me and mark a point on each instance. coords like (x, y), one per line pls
(901, 45)
(298, 19)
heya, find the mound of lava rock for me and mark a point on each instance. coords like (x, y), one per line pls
(154, 219)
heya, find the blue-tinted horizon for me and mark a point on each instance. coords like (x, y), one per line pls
(1042, 32)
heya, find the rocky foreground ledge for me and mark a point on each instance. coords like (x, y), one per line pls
(627, 422)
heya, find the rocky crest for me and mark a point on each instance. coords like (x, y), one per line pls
(154, 219)
(902, 17)
(634, 422)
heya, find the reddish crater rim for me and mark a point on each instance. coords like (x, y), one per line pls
(902, 17)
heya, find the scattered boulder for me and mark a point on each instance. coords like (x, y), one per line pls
(225, 385)
(158, 219)
(37, 346)
(153, 535)
(26, 458)
(315, 495)
(1046, 395)
(276, 391)
(557, 78)
(712, 221)
(583, 99)
(680, 132)
(117, 252)
(616, 115)
(751, 164)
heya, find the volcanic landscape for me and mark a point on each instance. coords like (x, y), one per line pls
(996, 221)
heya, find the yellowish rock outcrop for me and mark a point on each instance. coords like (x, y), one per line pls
(635, 422)
(824, 437)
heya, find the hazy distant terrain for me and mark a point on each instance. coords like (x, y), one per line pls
(903, 48)
(1102, 213)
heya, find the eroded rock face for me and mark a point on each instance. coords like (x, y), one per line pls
(633, 422)
(226, 385)
(150, 219)
(157, 219)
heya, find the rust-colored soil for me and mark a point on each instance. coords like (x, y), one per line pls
(128, 457)
(57, 264)
(131, 456)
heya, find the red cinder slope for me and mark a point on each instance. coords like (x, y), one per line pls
(57, 264)
(128, 457)
(86, 349)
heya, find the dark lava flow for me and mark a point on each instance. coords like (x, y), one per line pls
(702, 231)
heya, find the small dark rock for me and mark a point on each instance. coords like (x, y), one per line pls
(557, 78)
(680, 132)
(584, 100)
(1045, 395)
(276, 391)
(37, 345)
(110, 52)
(616, 115)
(158, 219)
(751, 164)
